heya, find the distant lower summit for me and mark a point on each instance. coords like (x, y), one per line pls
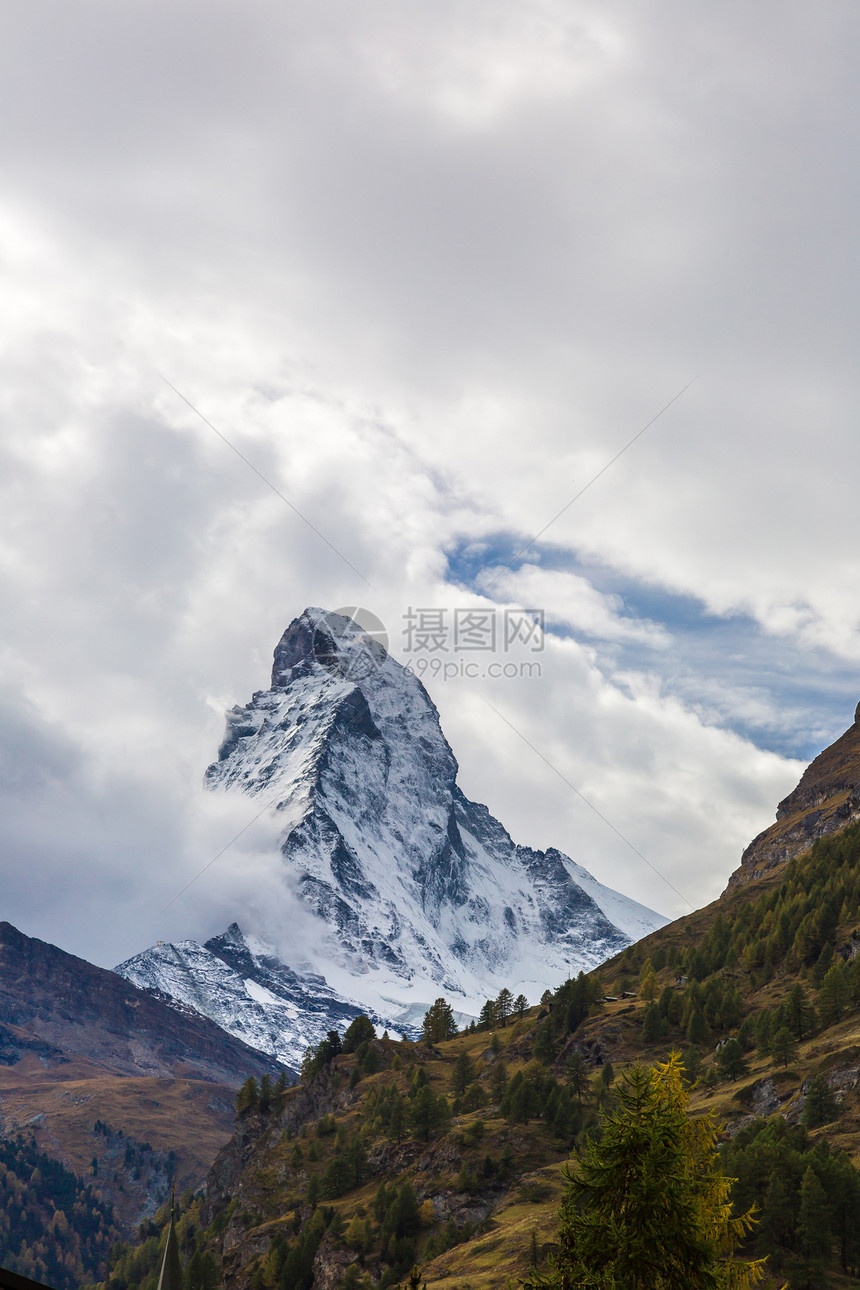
(402, 889)
(243, 987)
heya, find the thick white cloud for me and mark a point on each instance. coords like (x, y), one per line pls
(573, 602)
(428, 268)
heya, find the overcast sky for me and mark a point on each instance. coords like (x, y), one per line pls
(429, 267)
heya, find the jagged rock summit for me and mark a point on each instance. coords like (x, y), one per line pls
(404, 889)
(826, 800)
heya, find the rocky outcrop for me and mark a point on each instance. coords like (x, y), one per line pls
(233, 1183)
(826, 800)
(254, 1131)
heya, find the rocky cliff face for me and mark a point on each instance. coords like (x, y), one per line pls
(826, 799)
(404, 889)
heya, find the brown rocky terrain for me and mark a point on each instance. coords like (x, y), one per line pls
(144, 1134)
(826, 800)
(94, 1069)
(58, 1006)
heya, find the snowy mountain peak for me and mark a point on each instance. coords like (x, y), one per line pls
(332, 641)
(410, 889)
(387, 852)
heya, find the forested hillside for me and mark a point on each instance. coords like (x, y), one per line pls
(53, 1226)
(448, 1153)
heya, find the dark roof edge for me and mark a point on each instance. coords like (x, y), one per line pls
(14, 1281)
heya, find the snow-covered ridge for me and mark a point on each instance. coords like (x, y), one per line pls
(411, 889)
(249, 993)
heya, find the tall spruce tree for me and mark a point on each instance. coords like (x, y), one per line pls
(439, 1023)
(647, 1207)
(730, 1060)
(463, 1074)
(814, 1221)
(820, 1106)
(504, 1005)
(783, 1047)
(577, 1075)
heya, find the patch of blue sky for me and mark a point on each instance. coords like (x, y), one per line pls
(791, 699)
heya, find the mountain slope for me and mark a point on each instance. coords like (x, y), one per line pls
(772, 965)
(825, 801)
(80, 1047)
(402, 888)
(60, 1006)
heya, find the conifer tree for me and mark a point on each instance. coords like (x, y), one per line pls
(463, 1074)
(647, 1207)
(814, 1223)
(427, 1112)
(359, 1031)
(730, 1060)
(698, 1030)
(248, 1098)
(544, 1044)
(487, 1016)
(777, 1218)
(498, 1080)
(834, 994)
(439, 1023)
(800, 1014)
(648, 987)
(504, 1005)
(577, 1076)
(783, 1046)
(653, 1025)
(764, 1030)
(692, 1064)
(820, 1106)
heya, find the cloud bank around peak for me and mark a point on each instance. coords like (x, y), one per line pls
(428, 270)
